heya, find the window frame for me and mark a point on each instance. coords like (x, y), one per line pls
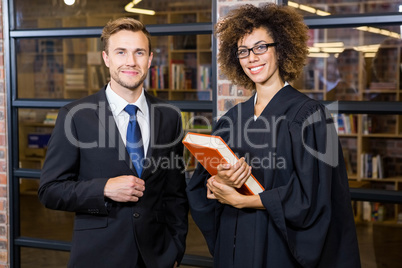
(16, 241)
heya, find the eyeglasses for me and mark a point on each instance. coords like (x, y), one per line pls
(257, 50)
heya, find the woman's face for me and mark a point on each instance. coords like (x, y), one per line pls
(262, 69)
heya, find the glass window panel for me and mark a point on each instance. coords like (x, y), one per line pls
(370, 144)
(377, 212)
(35, 127)
(379, 124)
(200, 122)
(336, 7)
(41, 258)
(362, 63)
(181, 68)
(38, 221)
(195, 242)
(349, 147)
(73, 68)
(380, 243)
(67, 68)
(381, 158)
(92, 13)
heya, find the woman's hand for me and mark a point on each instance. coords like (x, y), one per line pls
(228, 195)
(225, 194)
(234, 176)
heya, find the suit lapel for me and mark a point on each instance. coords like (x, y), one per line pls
(154, 116)
(112, 137)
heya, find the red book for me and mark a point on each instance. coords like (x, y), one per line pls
(211, 151)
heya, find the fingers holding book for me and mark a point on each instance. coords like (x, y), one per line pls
(223, 193)
(234, 175)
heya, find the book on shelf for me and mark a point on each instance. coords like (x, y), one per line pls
(345, 123)
(50, 118)
(177, 74)
(380, 167)
(190, 78)
(367, 124)
(371, 166)
(187, 120)
(353, 123)
(211, 151)
(347, 159)
(157, 77)
(366, 211)
(204, 76)
(94, 77)
(74, 79)
(341, 125)
(383, 86)
(368, 166)
(373, 211)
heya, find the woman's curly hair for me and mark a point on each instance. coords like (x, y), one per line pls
(284, 25)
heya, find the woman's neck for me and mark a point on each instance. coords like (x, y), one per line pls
(265, 95)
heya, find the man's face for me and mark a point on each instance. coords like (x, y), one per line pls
(128, 59)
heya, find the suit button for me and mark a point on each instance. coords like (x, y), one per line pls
(136, 215)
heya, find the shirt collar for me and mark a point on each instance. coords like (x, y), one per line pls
(255, 97)
(117, 103)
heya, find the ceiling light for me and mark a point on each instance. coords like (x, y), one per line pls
(332, 49)
(374, 30)
(69, 2)
(293, 4)
(332, 44)
(322, 13)
(367, 48)
(318, 55)
(313, 49)
(395, 35)
(307, 8)
(130, 8)
(369, 55)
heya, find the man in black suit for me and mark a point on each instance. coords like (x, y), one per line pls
(124, 217)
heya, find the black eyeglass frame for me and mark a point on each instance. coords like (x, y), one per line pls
(254, 47)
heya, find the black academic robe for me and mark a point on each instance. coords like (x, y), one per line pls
(296, 155)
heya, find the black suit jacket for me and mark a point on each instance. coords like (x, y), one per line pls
(85, 150)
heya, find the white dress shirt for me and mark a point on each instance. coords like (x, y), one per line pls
(121, 117)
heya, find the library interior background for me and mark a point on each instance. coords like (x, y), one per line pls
(52, 55)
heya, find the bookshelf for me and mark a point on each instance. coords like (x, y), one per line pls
(371, 142)
(71, 68)
(186, 72)
(34, 133)
(45, 63)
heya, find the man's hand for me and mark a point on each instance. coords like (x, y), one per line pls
(124, 188)
(234, 176)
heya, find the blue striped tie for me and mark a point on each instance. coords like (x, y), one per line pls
(134, 144)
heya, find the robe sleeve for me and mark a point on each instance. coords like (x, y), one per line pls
(302, 208)
(206, 212)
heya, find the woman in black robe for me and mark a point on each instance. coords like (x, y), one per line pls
(288, 142)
